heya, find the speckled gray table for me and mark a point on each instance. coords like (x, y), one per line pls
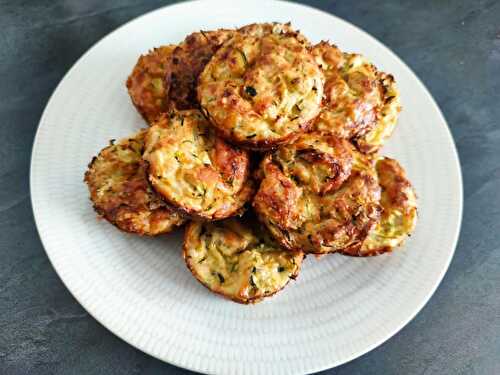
(454, 47)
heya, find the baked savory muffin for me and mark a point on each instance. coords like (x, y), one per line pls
(146, 84)
(195, 170)
(121, 193)
(260, 92)
(399, 215)
(188, 61)
(238, 259)
(360, 103)
(318, 194)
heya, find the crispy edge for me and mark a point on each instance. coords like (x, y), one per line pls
(402, 183)
(390, 94)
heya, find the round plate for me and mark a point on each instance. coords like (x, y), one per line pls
(139, 288)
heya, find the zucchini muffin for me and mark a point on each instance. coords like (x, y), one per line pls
(193, 169)
(121, 193)
(318, 194)
(146, 85)
(188, 61)
(238, 259)
(399, 215)
(261, 91)
(360, 104)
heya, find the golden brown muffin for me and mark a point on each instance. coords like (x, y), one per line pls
(360, 103)
(146, 84)
(188, 61)
(260, 92)
(195, 170)
(318, 194)
(238, 259)
(399, 215)
(121, 193)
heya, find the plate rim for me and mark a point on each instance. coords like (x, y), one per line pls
(174, 362)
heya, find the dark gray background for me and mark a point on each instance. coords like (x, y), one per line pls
(453, 46)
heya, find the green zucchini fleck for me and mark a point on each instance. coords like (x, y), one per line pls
(243, 56)
(250, 91)
(221, 278)
(252, 283)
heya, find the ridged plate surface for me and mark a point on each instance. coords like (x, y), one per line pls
(140, 289)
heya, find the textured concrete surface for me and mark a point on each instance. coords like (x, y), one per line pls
(454, 47)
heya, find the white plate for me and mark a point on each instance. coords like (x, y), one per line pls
(139, 288)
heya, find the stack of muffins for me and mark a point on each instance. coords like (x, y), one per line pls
(266, 148)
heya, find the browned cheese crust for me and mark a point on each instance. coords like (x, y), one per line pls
(399, 215)
(121, 193)
(360, 103)
(261, 91)
(146, 85)
(195, 170)
(238, 259)
(318, 194)
(261, 29)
